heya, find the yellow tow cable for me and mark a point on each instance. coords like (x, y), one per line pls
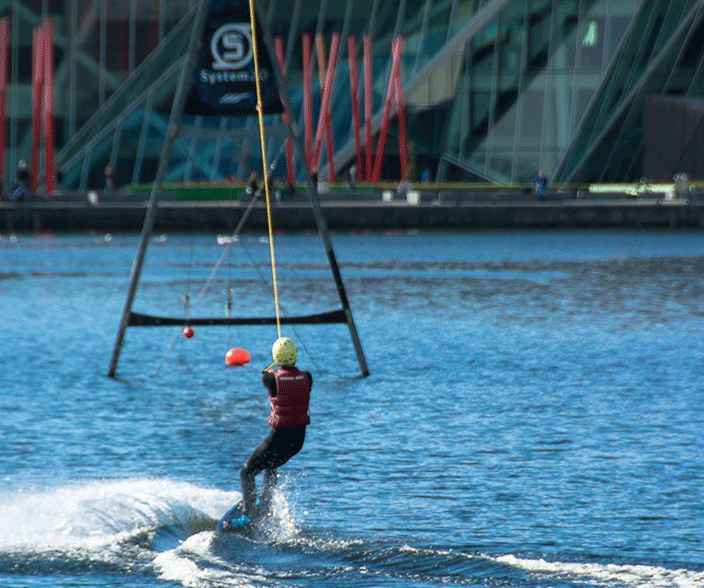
(262, 142)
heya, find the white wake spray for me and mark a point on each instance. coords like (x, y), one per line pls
(96, 518)
(641, 576)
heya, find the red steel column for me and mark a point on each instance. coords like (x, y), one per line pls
(368, 106)
(326, 117)
(395, 68)
(281, 56)
(37, 82)
(320, 49)
(4, 45)
(354, 100)
(48, 111)
(401, 117)
(330, 142)
(307, 98)
(325, 106)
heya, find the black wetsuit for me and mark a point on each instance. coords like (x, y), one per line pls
(278, 447)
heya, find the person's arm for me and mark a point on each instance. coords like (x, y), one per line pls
(269, 381)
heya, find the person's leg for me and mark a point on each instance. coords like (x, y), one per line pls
(270, 477)
(285, 444)
(258, 461)
(280, 446)
(249, 488)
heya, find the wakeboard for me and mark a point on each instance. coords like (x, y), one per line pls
(231, 521)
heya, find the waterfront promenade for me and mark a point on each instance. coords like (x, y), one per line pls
(371, 210)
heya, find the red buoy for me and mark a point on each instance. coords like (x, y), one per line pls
(237, 356)
(188, 332)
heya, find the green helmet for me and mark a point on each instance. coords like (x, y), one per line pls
(284, 352)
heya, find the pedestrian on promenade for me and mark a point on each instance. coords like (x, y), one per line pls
(541, 184)
(19, 189)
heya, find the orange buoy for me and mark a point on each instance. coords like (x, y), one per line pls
(237, 356)
(188, 332)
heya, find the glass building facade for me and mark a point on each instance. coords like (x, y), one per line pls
(493, 89)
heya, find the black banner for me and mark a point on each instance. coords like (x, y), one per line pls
(224, 80)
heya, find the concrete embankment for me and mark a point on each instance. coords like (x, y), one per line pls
(426, 210)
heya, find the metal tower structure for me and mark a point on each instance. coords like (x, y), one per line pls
(129, 318)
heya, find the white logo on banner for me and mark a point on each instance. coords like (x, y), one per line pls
(231, 46)
(234, 98)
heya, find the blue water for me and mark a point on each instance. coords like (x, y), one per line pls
(533, 416)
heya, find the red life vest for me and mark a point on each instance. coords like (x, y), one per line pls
(289, 408)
